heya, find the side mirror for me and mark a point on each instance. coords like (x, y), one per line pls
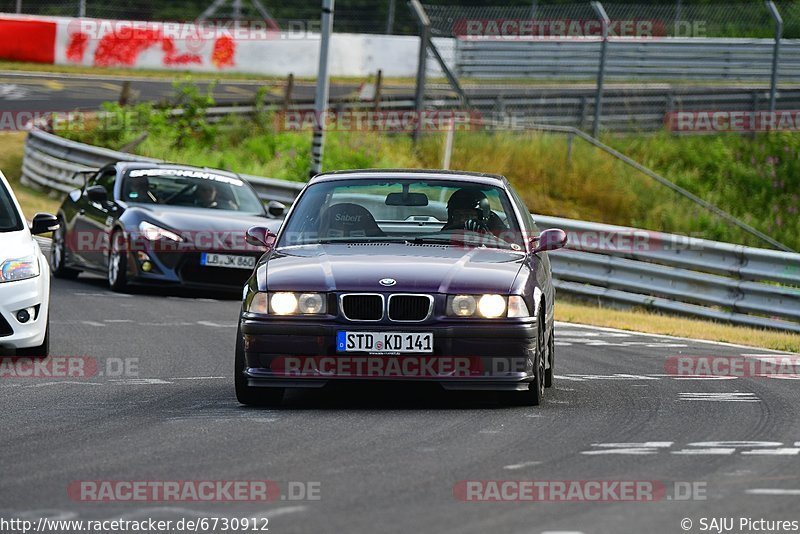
(97, 193)
(83, 176)
(44, 223)
(275, 208)
(551, 239)
(258, 236)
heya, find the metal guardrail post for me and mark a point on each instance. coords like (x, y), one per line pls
(773, 87)
(601, 72)
(424, 36)
(321, 97)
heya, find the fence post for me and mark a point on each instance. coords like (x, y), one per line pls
(19, 6)
(448, 144)
(569, 148)
(773, 88)
(378, 90)
(81, 8)
(424, 35)
(598, 99)
(390, 18)
(323, 87)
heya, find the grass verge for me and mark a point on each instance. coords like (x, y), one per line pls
(32, 201)
(655, 323)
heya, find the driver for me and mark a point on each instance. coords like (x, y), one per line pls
(207, 196)
(468, 209)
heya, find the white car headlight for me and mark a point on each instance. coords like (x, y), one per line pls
(15, 269)
(463, 305)
(487, 306)
(287, 303)
(283, 303)
(154, 233)
(491, 306)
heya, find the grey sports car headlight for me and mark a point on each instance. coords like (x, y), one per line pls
(486, 306)
(154, 233)
(15, 269)
(288, 303)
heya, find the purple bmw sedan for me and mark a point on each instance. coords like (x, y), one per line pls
(400, 275)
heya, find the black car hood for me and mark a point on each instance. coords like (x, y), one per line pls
(415, 268)
(207, 228)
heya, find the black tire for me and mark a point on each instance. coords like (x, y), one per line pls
(551, 354)
(534, 395)
(246, 394)
(117, 268)
(58, 255)
(40, 352)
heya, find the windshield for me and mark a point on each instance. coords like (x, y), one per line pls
(190, 188)
(417, 210)
(10, 221)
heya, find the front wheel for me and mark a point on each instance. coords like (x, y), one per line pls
(58, 254)
(551, 354)
(534, 395)
(117, 263)
(246, 394)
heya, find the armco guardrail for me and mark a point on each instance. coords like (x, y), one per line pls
(667, 58)
(678, 274)
(51, 161)
(614, 264)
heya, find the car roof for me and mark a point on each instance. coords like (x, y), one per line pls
(130, 165)
(434, 174)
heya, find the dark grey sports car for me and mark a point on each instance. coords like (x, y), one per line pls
(400, 275)
(145, 223)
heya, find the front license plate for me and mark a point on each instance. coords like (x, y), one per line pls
(384, 342)
(227, 260)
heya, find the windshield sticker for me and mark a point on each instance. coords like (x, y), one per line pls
(187, 173)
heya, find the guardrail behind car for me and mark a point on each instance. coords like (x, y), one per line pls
(614, 265)
(51, 161)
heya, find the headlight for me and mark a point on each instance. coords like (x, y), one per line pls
(283, 303)
(491, 306)
(154, 233)
(463, 305)
(19, 269)
(287, 303)
(486, 306)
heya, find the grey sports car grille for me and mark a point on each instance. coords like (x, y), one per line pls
(409, 307)
(363, 307)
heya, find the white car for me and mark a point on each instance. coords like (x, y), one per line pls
(24, 279)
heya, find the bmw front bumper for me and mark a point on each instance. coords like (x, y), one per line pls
(485, 356)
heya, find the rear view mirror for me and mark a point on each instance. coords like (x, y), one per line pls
(275, 208)
(551, 239)
(44, 223)
(258, 236)
(407, 199)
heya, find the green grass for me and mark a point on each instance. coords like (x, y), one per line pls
(31, 200)
(756, 179)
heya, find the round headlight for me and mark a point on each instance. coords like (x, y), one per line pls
(283, 303)
(311, 303)
(463, 305)
(491, 306)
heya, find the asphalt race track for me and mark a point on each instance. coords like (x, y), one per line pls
(380, 458)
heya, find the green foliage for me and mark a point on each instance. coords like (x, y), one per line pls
(757, 180)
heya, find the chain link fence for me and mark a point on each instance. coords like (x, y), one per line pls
(548, 63)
